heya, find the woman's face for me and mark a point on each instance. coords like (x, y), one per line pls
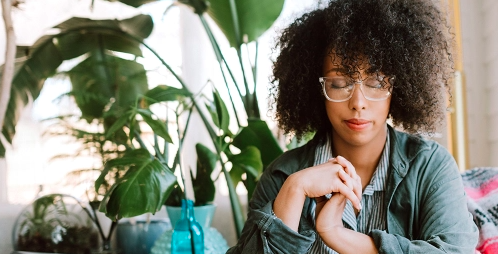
(357, 121)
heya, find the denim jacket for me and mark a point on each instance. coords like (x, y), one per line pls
(427, 209)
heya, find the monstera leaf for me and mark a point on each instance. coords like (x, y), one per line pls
(144, 187)
(258, 134)
(74, 38)
(247, 162)
(101, 77)
(244, 21)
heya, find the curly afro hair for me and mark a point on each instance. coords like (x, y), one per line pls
(408, 39)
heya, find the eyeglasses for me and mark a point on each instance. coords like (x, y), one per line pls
(374, 88)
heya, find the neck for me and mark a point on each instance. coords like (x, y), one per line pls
(364, 158)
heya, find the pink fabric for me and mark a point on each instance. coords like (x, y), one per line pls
(481, 186)
(484, 190)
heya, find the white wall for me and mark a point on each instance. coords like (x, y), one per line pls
(8, 215)
(490, 64)
(480, 56)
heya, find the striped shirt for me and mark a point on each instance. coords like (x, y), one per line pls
(373, 214)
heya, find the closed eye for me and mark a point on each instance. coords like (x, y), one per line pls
(337, 83)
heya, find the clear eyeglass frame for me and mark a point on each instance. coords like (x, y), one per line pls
(352, 85)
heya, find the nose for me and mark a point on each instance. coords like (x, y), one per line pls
(357, 101)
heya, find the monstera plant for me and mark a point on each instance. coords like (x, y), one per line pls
(242, 151)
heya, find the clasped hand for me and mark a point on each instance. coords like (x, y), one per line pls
(338, 177)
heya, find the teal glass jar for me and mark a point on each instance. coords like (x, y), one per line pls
(187, 236)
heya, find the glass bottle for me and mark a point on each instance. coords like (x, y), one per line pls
(187, 234)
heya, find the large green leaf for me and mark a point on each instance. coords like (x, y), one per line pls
(164, 93)
(102, 77)
(248, 161)
(204, 188)
(29, 76)
(139, 26)
(137, 3)
(254, 18)
(143, 189)
(219, 112)
(157, 126)
(97, 40)
(199, 6)
(257, 134)
(75, 37)
(119, 123)
(130, 158)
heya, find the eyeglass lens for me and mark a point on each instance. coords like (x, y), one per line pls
(341, 88)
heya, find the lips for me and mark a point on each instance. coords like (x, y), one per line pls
(357, 124)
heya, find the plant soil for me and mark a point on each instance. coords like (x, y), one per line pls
(77, 240)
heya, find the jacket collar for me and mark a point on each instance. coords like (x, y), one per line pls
(404, 148)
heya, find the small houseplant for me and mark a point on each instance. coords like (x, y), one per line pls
(51, 225)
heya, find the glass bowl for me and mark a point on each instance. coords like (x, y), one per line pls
(56, 223)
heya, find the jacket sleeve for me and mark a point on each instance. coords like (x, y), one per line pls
(442, 222)
(265, 233)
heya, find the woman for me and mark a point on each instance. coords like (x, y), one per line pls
(360, 186)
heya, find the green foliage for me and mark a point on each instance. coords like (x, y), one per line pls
(163, 93)
(244, 21)
(144, 188)
(45, 216)
(258, 134)
(76, 36)
(241, 21)
(102, 77)
(48, 226)
(204, 189)
(144, 174)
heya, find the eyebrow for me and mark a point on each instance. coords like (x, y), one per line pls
(337, 70)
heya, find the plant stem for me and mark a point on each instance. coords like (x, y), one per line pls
(139, 139)
(221, 60)
(238, 36)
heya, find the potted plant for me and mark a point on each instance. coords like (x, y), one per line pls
(256, 145)
(103, 86)
(56, 223)
(242, 151)
(102, 82)
(203, 188)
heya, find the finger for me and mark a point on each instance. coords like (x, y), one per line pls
(348, 167)
(344, 190)
(358, 189)
(337, 199)
(346, 179)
